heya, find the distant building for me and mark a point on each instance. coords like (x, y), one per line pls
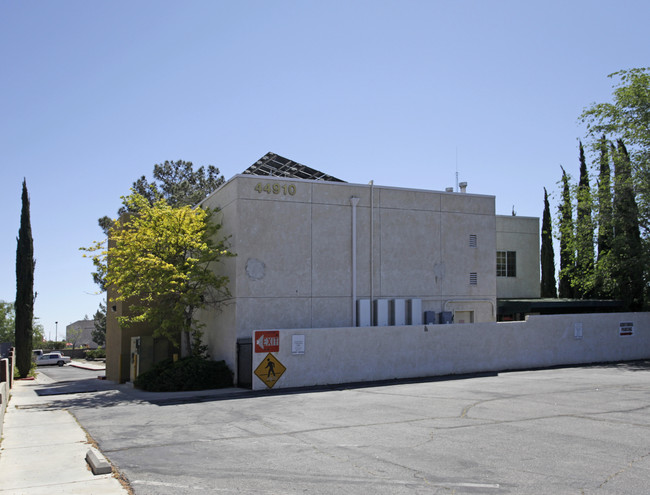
(83, 339)
(316, 252)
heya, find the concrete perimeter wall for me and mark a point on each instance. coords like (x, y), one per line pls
(344, 355)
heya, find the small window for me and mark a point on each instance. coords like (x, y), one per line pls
(473, 278)
(506, 263)
(473, 241)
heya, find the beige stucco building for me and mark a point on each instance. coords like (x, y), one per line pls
(317, 254)
(325, 254)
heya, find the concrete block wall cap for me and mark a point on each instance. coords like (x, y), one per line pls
(98, 464)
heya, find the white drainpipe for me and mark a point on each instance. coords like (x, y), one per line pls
(353, 202)
(372, 224)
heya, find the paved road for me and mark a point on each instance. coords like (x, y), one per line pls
(68, 373)
(573, 431)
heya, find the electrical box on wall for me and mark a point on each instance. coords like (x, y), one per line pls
(363, 313)
(380, 312)
(398, 312)
(446, 317)
(414, 311)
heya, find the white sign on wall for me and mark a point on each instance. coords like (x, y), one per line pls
(626, 329)
(297, 344)
(577, 331)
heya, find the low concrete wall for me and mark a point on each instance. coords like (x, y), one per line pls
(4, 398)
(4, 390)
(357, 354)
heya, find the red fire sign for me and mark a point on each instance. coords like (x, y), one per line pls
(267, 341)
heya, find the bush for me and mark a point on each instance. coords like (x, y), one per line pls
(191, 373)
(95, 354)
(54, 345)
(31, 374)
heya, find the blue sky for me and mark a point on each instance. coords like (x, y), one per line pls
(93, 94)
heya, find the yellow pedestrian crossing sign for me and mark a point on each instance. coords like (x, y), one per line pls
(270, 370)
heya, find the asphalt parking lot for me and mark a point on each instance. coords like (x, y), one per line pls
(572, 430)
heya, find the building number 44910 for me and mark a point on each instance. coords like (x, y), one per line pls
(276, 188)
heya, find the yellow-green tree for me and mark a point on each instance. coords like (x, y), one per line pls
(160, 263)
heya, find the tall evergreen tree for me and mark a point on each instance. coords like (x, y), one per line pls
(584, 236)
(567, 253)
(603, 281)
(627, 117)
(99, 321)
(548, 285)
(24, 314)
(605, 226)
(627, 251)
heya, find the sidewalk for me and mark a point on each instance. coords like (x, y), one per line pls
(43, 449)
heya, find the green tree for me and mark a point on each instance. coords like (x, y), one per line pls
(548, 284)
(7, 323)
(627, 256)
(160, 265)
(8, 326)
(567, 241)
(72, 336)
(584, 234)
(627, 118)
(99, 320)
(38, 334)
(24, 306)
(175, 182)
(605, 226)
(179, 184)
(603, 283)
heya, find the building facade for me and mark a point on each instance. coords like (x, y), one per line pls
(317, 254)
(80, 334)
(329, 254)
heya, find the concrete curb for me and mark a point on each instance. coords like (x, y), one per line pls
(87, 366)
(97, 462)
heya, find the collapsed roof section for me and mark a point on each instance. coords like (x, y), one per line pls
(275, 165)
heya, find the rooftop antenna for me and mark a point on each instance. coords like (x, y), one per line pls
(457, 169)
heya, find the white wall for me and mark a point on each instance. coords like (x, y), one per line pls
(344, 355)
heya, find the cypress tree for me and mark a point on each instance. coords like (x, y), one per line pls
(548, 285)
(583, 282)
(605, 227)
(567, 253)
(627, 253)
(24, 304)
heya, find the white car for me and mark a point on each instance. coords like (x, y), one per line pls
(52, 358)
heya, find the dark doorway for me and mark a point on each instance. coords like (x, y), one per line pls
(245, 363)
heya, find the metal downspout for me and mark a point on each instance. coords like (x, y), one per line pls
(353, 202)
(372, 225)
